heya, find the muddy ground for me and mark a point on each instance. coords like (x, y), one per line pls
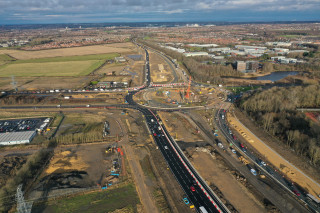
(9, 165)
(161, 71)
(278, 147)
(223, 179)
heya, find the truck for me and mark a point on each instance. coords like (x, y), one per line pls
(202, 209)
(243, 160)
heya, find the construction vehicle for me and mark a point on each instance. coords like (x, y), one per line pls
(243, 160)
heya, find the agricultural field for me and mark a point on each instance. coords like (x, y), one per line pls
(75, 51)
(58, 66)
(74, 68)
(5, 59)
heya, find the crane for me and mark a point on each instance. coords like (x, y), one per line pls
(188, 91)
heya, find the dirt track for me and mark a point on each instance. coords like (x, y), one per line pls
(274, 158)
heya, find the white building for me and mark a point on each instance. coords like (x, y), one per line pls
(244, 47)
(203, 45)
(279, 44)
(254, 51)
(190, 54)
(219, 49)
(280, 50)
(14, 138)
(298, 51)
(237, 52)
(218, 57)
(277, 58)
(175, 49)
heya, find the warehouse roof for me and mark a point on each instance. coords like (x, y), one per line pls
(16, 137)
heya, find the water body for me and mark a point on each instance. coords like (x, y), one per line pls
(276, 76)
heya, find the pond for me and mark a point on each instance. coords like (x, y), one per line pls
(275, 76)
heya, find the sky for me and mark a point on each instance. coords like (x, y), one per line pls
(109, 11)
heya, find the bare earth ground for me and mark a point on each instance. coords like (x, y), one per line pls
(109, 68)
(270, 153)
(87, 50)
(209, 168)
(161, 72)
(180, 128)
(161, 183)
(236, 193)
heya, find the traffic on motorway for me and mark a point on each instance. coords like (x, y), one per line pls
(261, 167)
(197, 191)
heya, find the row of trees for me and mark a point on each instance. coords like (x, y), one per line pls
(275, 111)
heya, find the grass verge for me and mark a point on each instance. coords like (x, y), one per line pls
(102, 201)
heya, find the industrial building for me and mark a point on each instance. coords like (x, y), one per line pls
(179, 50)
(244, 47)
(219, 49)
(284, 60)
(203, 45)
(280, 50)
(190, 54)
(247, 66)
(279, 44)
(14, 138)
(135, 57)
(252, 66)
(241, 66)
(120, 59)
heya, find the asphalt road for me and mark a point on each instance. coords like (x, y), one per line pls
(268, 188)
(281, 181)
(185, 178)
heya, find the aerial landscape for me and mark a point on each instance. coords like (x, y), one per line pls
(160, 107)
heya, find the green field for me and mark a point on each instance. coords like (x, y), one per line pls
(104, 201)
(69, 58)
(4, 58)
(72, 68)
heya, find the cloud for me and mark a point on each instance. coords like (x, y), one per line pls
(36, 9)
(173, 11)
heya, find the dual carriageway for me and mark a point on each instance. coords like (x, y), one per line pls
(198, 192)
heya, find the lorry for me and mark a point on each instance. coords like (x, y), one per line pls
(243, 160)
(202, 209)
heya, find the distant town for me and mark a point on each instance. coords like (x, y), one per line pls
(160, 117)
